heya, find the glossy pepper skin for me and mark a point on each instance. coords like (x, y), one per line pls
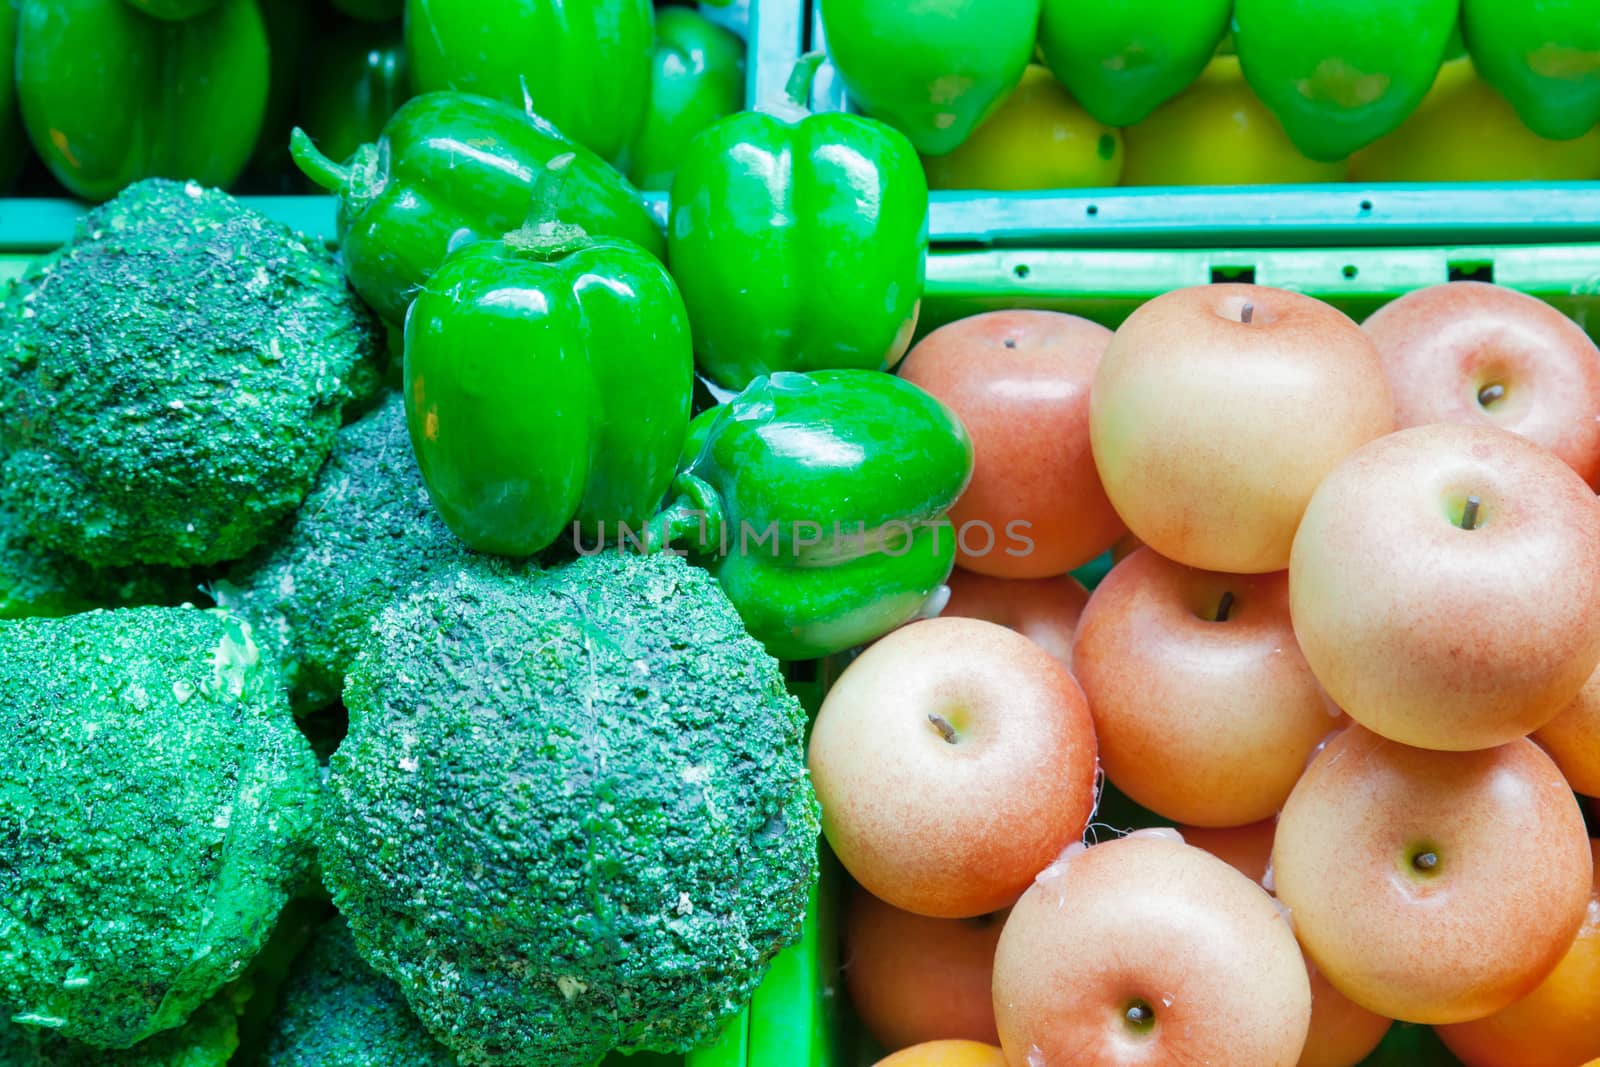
(454, 167)
(13, 145)
(357, 80)
(696, 78)
(799, 242)
(819, 501)
(1543, 56)
(1121, 59)
(1341, 75)
(932, 69)
(547, 383)
(111, 96)
(582, 64)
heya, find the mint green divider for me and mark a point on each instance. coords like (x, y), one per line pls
(1108, 284)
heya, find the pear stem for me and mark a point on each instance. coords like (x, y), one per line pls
(942, 724)
(1469, 514)
(1247, 313)
(1224, 606)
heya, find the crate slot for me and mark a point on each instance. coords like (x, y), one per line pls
(1244, 275)
(1471, 270)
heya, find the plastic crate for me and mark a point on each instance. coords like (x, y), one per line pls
(1108, 284)
(1307, 216)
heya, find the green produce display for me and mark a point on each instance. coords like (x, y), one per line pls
(13, 143)
(337, 1012)
(572, 812)
(37, 581)
(297, 924)
(1339, 76)
(1466, 131)
(1217, 132)
(1543, 56)
(934, 70)
(1040, 138)
(175, 10)
(1121, 59)
(454, 167)
(209, 1038)
(547, 382)
(819, 501)
(357, 80)
(810, 259)
(173, 379)
(372, 10)
(365, 536)
(110, 95)
(157, 803)
(290, 24)
(583, 65)
(696, 78)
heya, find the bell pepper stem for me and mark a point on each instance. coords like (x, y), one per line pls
(798, 89)
(332, 176)
(694, 518)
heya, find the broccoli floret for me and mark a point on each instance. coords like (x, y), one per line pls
(209, 1038)
(172, 379)
(298, 924)
(156, 811)
(35, 580)
(572, 813)
(366, 534)
(338, 1012)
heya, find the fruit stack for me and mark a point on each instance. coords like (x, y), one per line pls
(1344, 667)
(1049, 94)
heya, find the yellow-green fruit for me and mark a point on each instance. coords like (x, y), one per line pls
(1040, 138)
(1464, 131)
(1217, 132)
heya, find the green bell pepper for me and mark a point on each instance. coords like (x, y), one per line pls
(1341, 75)
(372, 10)
(111, 96)
(799, 241)
(289, 25)
(1543, 56)
(547, 384)
(697, 77)
(13, 145)
(356, 82)
(819, 501)
(1122, 59)
(934, 69)
(451, 167)
(583, 65)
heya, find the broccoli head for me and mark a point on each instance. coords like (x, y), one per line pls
(35, 580)
(572, 813)
(209, 1038)
(366, 535)
(338, 1012)
(156, 812)
(173, 378)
